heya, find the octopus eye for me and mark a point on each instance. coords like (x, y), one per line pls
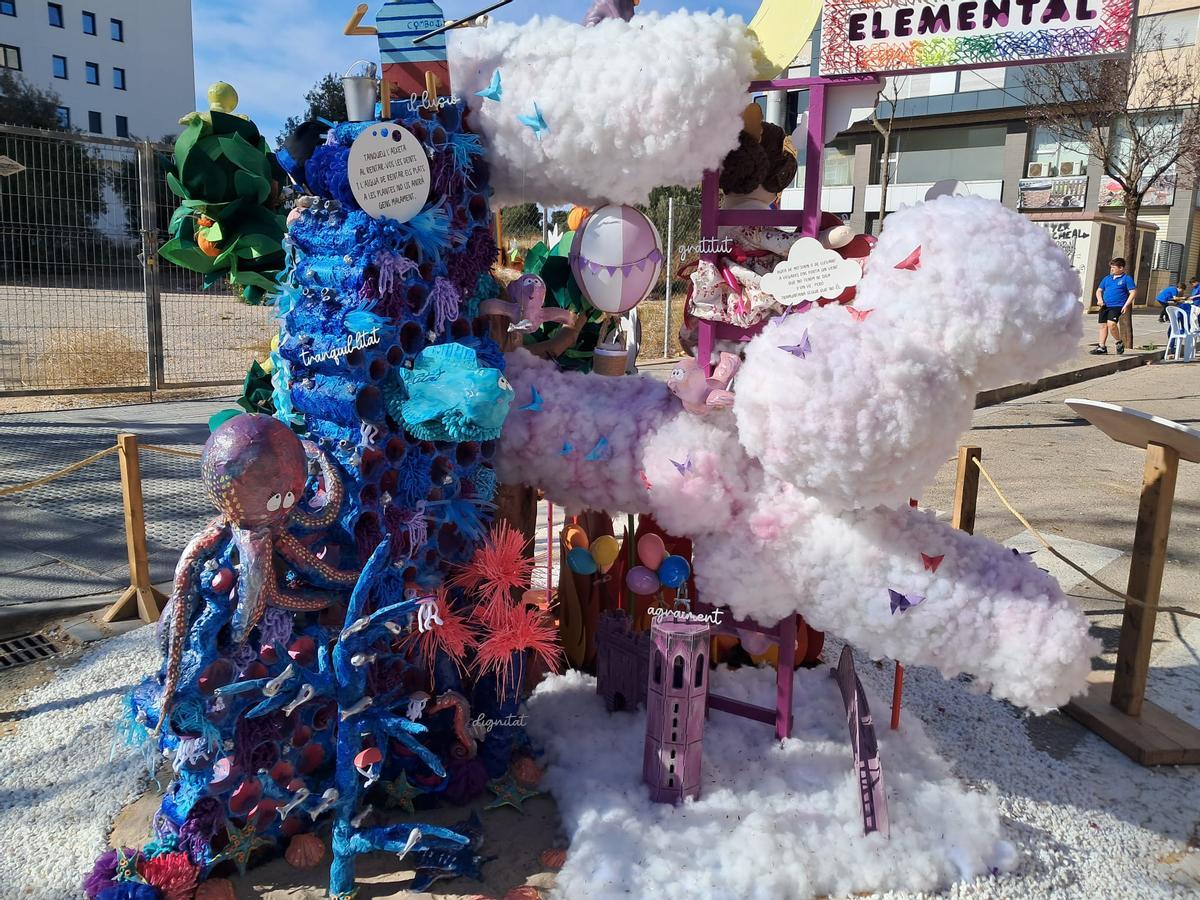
(274, 503)
(289, 500)
(504, 385)
(677, 375)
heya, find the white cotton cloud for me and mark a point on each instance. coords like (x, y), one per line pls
(629, 106)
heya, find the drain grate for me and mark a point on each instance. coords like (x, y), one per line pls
(25, 649)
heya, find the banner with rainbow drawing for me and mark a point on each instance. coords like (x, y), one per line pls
(903, 36)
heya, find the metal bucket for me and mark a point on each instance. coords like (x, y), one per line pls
(361, 93)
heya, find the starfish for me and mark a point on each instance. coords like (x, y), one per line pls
(402, 793)
(242, 844)
(509, 793)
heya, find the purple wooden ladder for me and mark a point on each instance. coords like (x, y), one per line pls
(784, 632)
(808, 220)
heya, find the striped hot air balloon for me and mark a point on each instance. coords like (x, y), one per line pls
(405, 64)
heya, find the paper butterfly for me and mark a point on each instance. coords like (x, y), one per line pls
(493, 91)
(912, 262)
(801, 349)
(535, 404)
(535, 122)
(900, 603)
(859, 315)
(645, 481)
(684, 468)
(567, 450)
(931, 563)
(599, 452)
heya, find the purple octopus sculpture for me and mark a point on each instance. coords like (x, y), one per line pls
(255, 470)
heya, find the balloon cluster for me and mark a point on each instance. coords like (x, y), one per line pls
(588, 558)
(657, 570)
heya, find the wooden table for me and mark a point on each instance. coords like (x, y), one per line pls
(1115, 706)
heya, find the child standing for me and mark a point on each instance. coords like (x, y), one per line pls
(1115, 295)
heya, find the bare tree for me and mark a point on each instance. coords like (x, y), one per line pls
(888, 94)
(1137, 114)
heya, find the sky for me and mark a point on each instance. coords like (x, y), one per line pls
(273, 51)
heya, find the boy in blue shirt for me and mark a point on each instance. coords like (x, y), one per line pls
(1115, 295)
(1167, 296)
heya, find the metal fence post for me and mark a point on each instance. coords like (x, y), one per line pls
(670, 275)
(546, 225)
(147, 202)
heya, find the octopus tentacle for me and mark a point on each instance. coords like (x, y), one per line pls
(295, 601)
(299, 555)
(182, 595)
(335, 492)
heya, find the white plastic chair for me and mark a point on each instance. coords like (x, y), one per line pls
(1194, 324)
(1181, 338)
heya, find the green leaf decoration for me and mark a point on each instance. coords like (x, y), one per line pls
(178, 189)
(214, 233)
(188, 256)
(245, 157)
(187, 141)
(224, 123)
(248, 185)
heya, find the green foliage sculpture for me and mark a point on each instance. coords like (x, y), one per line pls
(229, 222)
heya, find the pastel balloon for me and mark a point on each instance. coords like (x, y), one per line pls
(616, 258)
(651, 551)
(605, 550)
(674, 571)
(581, 562)
(641, 580)
(575, 536)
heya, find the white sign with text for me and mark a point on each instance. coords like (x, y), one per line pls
(389, 172)
(811, 272)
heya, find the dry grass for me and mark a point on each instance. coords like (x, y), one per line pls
(92, 357)
(652, 315)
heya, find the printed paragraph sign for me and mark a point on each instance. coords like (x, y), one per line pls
(811, 272)
(896, 36)
(389, 173)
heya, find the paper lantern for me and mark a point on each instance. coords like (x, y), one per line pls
(616, 258)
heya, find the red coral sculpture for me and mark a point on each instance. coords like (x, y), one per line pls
(172, 873)
(455, 636)
(498, 568)
(513, 630)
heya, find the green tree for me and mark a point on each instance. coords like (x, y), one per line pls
(325, 100)
(48, 209)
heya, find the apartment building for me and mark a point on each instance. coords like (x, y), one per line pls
(122, 68)
(972, 126)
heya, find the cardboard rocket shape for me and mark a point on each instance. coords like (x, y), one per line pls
(406, 65)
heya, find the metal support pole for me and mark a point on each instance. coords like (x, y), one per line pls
(545, 226)
(670, 275)
(147, 195)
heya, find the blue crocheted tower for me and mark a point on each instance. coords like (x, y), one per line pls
(382, 366)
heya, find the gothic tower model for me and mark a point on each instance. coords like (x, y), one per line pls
(676, 695)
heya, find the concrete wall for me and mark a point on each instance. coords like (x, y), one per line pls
(156, 56)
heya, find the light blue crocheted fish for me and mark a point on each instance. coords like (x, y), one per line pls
(449, 396)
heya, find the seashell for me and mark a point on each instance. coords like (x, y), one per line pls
(554, 858)
(216, 889)
(523, 892)
(305, 851)
(526, 771)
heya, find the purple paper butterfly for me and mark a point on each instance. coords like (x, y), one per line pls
(801, 349)
(901, 603)
(684, 468)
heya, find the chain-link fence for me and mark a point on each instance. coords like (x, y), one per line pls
(661, 313)
(79, 310)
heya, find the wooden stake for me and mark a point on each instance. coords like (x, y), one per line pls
(966, 489)
(141, 594)
(1145, 577)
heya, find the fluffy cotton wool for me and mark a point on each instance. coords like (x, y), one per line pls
(773, 819)
(630, 105)
(797, 500)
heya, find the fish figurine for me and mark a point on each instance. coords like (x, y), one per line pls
(449, 395)
(701, 395)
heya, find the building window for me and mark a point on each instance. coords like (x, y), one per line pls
(93, 73)
(926, 155)
(677, 673)
(89, 22)
(95, 123)
(122, 126)
(700, 671)
(1173, 29)
(56, 15)
(8, 8)
(118, 29)
(64, 116)
(1052, 155)
(119, 79)
(10, 57)
(60, 66)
